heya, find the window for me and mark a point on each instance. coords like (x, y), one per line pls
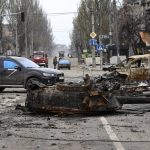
(9, 64)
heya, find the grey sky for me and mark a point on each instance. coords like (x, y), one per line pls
(61, 24)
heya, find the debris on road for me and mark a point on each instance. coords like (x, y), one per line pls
(105, 93)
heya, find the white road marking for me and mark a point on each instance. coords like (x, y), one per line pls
(111, 134)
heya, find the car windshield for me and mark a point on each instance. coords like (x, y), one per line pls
(28, 63)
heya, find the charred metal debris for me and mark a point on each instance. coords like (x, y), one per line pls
(104, 93)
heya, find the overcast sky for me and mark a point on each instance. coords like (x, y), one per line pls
(61, 24)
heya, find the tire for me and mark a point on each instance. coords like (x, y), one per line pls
(58, 68)
(1, 89)
(69, 68)
(29, 82)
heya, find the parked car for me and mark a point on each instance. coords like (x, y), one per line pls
(64, 63)
(40, 58)
(20, 72)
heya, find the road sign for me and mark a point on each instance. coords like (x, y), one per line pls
(93, 35)
(105, 36)
(92, 42)
(99, 47)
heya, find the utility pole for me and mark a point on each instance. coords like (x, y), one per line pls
(26, 40)
(1, 34)
(26, 44)
(17, 52)
(32, 43)
(101, 53)
(93, 31)
(116, 30)
(110, 30)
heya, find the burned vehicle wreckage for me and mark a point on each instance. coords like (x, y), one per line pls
(103, 93)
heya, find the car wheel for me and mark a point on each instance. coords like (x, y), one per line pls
(29, 82)
(58, 68)
(1, 89)
(69, 67)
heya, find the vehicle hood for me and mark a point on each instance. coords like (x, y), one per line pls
(47, 70)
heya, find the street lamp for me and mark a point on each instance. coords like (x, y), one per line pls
(1, 34)
(93, 31)
(110, 30)
(116, 30)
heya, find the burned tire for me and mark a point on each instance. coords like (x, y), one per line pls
(30, 81)
(1, 89)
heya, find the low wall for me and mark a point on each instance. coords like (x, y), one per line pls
(88, 61)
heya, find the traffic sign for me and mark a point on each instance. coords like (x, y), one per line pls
(92, 42)
(105, 36)
(93, 35)
(100, 47)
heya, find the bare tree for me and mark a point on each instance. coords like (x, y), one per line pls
(83, 25)
(130, 18)
(2, 12)
(33, 28)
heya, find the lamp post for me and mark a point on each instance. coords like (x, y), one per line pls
(93, 31)
(1, 30)
(26, 42)
(110, 30)
(17, 52)
(116, 30)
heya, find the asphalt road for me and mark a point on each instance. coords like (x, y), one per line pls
(128, 129)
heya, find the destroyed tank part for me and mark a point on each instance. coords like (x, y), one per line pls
(114, 74)
(132, 99)
(139, 74)
(111, 81)
(116, 102)
(52, 100)
(134, 88)
(59, 99)
(108, 85)
(71, 87)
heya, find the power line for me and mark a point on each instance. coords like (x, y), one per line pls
(34, 14)
(49, 14)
